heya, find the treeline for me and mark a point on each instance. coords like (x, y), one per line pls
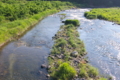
(99, 3)
(11, 10)
(16, 16)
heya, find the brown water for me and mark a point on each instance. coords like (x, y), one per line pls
(21, 59)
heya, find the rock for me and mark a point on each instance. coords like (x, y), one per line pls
(43, 66)
(82, 79)
(86, 60)
(47, 75)
(48, 67)
(52, 56)
(40, 72)
(76, 79)
(55, 34)
(74, 54)
(63, 21)
(76, 75)
(59, 56)
(77, 61)
(49, 71)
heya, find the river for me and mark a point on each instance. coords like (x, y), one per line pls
(21, 59)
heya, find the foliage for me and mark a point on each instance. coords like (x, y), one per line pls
(62, 63)
(17, 16)
(102, 79)
(92, 72)
(65, 72)
(111, 14)
(74, 22)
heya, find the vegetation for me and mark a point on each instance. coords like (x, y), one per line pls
(99, 3)
(74, 22)
(102, 79)
(110, 14)
(17, 16)
(65, 72)
(67, 55)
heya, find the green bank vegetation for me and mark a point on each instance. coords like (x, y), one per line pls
(66, 61)
(17, 16)
(110, 14)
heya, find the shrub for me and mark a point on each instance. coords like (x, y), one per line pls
(93, 72)
(65, 72)
(2, 18)
(83, 73)
(75, 22)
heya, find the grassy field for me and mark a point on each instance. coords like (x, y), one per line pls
(67, 60)
(110, 14)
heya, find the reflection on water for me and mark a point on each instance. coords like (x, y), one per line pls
(21, 60)
(102, 42)
(12, 59)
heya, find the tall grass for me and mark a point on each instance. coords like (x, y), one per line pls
(65, 72)
(12, 29)
(110, 14)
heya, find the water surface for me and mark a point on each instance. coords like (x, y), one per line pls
(21, 59)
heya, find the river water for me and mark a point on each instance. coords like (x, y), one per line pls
(21, 59)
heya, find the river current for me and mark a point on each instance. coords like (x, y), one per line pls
(21, 59)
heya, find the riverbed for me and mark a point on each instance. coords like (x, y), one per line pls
(21, 59)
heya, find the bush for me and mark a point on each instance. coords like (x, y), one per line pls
(2, 18)
(75, 22)
(93, 72)
(83, 73)
(65, 72)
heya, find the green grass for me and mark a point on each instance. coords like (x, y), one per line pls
(66, 42)
(110, 14)
(103, 79)
(74, 22)
(65, 72)
(10, 30)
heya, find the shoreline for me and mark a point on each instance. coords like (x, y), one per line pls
(29, 24)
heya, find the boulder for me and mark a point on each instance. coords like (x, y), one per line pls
(74, 54)
(48, 67)
(43, 66)
(47, 75)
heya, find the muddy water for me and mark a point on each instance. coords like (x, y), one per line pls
(21, 59)
(102, 42)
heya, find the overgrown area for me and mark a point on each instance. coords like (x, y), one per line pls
(66, 61)
(17, 16)
(110, 14)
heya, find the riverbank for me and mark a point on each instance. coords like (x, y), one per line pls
(110, 14)
(12, 30)
(66, 61)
